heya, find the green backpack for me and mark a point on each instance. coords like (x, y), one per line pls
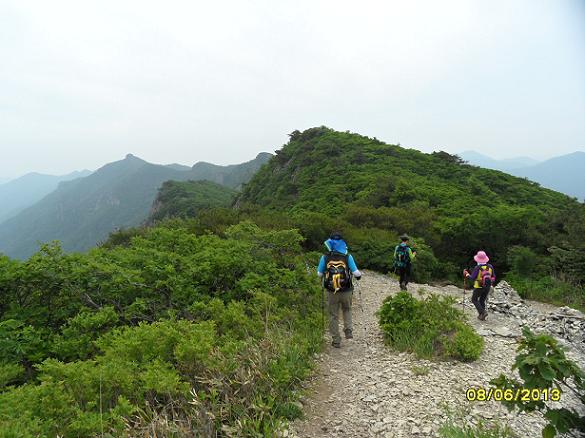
(402, 257)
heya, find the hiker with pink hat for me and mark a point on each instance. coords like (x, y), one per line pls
(483, 277)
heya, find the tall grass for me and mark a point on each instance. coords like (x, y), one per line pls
(549, 290)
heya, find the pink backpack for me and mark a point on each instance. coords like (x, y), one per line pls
(485, 276)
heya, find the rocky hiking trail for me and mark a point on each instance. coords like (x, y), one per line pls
(365, 389)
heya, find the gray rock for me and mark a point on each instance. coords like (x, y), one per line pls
(505, 332)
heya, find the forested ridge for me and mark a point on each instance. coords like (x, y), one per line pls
(206, 322)
(187, 198)
(324, 179)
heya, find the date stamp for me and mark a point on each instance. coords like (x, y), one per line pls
(519, 394)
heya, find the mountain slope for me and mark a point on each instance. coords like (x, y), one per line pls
(23, 192)
(565, 174)
(371, 191)
(324, 170)
(83, 212)
(186, 198)
(481, 160)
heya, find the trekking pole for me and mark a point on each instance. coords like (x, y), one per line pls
(323, 305)
(464, 289)
(359, 288)
(360, 293)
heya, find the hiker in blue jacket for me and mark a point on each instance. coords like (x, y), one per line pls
(337, 268)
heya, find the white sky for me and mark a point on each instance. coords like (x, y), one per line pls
(83, 83)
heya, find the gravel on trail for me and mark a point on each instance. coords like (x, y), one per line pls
(365, 389)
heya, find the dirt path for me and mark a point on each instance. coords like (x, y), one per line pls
(364, 389)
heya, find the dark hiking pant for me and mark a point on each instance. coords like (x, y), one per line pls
(335, 301)
(404, 273)
(478, 298)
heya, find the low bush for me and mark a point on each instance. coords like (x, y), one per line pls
(171, 332)
(431, 328)
(482, 430)
(549, 289)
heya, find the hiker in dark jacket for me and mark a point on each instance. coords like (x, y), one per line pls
(337, 267)
(403, 257)
(483, 277)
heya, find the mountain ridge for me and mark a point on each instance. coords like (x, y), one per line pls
(324, 180)
(506, 164)
(562, 173)
(22, 192)
(120, 194)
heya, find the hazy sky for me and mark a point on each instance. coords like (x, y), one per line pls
(83, 83)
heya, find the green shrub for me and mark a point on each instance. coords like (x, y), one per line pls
(10, 373)
(163, 331)
(430, 328)
(522, 260)
(549, 289)
(467, 345)
(481, 430)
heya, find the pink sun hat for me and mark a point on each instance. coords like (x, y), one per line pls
(481, 257)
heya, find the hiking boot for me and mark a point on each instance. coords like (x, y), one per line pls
(485, 314)
(482, 316)
(336, 344)
(348, 334)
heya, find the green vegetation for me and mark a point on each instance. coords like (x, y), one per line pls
(205, 323)
(420, 370)
(542, 365)
(458, 425)
(172, 333)
(383, 190)
(559, 277)
(431, 328)
(371, 191)
(549, 289)
(483, 429)
(187, 198)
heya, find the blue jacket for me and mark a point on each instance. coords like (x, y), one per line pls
(341, 247)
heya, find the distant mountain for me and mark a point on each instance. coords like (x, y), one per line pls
(23, 192)
(83, 212)
(481, 160)
(231, 176)
(176, 166)
(565, 174)
(4, 180)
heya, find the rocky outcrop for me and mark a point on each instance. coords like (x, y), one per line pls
(566, 324)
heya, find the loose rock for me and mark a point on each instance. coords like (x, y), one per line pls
(376, 393)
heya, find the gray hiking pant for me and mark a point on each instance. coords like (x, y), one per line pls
(334, 302)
